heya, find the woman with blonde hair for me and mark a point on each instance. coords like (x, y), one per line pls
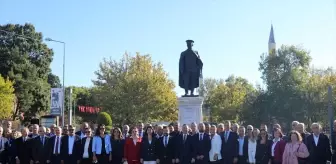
(295, 151)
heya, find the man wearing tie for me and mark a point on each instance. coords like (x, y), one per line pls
(40, 147)
(230, 145)
(22, 144)
(165, 148)
(69, 147)
(125, 131)
(183, 146)
(55, 146)
(201, 146)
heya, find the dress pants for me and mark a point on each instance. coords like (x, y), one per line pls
(86, 161)
(55, 159)
(116, 159)
(102, 158)
(201, 161)
(242, 160)
(70, 159)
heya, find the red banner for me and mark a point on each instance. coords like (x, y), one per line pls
(88, 109)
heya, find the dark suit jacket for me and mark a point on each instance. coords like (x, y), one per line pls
(117, 148)
(22, 148)
(52, 145)
(320, 153)
(10, 148)
(183, 149)
(201, 147)
(40, 151)
(65, 147)
(230, 148)
(165, 152)
(81, 147)
(148, 149)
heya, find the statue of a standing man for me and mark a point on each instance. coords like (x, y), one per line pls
(190, 69)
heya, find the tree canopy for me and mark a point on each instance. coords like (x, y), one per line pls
(135, 89)
(7, 98)
(25, 59)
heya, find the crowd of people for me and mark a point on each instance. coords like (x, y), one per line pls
(166, 144)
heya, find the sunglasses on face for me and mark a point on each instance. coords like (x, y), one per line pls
(71, 129)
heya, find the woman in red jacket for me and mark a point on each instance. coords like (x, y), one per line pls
(278, 147)
(132, 148)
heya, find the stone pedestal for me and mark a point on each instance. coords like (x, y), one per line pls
(190, 110)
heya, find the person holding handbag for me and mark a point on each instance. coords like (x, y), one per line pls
(296, 151)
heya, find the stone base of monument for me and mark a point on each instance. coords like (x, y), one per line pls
(190, 110)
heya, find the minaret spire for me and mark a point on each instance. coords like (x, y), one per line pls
(271, 41)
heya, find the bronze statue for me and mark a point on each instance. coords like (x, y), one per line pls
(190, 69)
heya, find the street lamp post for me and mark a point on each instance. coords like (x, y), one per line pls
(51, 40)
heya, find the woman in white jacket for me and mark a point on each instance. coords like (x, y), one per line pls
(216, 145)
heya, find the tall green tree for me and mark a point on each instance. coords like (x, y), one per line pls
(25, 59)
(7, 98)
(135, 89)
(227, 98)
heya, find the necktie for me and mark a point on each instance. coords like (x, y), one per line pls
(42, 140)
(166, 141)
(201, 137)
(184, 137)
(226, 136)
(57, 143)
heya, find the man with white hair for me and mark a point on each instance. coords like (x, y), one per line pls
(302, 130)
(22, 144)
(318, 146)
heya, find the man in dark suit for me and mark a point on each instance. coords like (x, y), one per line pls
(69, 147)
(83, 129)
(22, 145)
(165, 148)
(176, 131)
(40, 149)
(201, 145)
(230, 145)
(85, 151)
(183, 150)
(318, 146)
(55, 146)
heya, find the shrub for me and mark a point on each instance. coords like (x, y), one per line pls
(104, 118)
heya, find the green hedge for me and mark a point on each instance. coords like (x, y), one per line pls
(104, 118)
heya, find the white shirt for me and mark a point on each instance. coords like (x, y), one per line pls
(216, 146)
(71, 142)
(86, 148)
(59, 144)
(273, 145)
(82, 135)
(252, 146)
(316, 138)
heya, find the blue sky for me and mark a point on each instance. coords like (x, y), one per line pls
(229, 35)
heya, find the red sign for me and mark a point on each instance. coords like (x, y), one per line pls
(88, 109)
